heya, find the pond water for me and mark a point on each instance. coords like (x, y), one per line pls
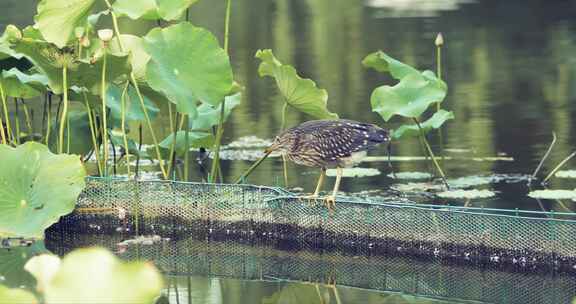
(509, 66)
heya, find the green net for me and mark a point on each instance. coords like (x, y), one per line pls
(257, 232)
(393, 225)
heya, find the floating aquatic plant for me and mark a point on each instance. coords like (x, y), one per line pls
(355, 172)
(467, 194)
(553, 194)
(410, 175)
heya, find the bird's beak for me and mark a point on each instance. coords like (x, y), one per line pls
(268, 150)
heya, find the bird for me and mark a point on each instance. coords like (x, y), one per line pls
(335, 143)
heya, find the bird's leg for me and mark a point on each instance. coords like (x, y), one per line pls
(318, 186)
(330, 200)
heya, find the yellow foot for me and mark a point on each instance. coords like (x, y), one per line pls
(330, 202)
(311, 199)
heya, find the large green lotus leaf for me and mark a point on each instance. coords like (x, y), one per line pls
(187, 65)
(36, 188)
(88, 74)
(208, 115)
(196, 139)
(298, 92)
(80, 135)
(97, 276)
(57, 19)
(415, 92)
(133, 108)
(135, 46)
(21, 85)
(43, 55)
(434, 122)
(117, 139)
(16, 296)
(12, 261)
(152, 9)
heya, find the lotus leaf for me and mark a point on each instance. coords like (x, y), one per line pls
(80, 135)
(300, 93)
(466, 194)
(354, 172)
(11, 32)
(135, 46)
(117, 139)
(102, 278)
(12, 261)
(553, 194)
(57, 19)
(196, 139)
(133, 108)
(152, 9)
(36, 188)
(411, 96)
(187, 65)
(434, 122)
(208, 115)
(16, 296)
(88, 74)
(18, 84)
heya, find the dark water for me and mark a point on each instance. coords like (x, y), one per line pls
(510, 67)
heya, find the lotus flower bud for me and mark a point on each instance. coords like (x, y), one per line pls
(105, 35)
(439, 40)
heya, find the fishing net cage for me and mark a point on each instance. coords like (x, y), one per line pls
(222, 224)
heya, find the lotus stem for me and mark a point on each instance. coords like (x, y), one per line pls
(17, 121)
(439, 42)
(93, 133)
(564, 161)
(6, 138)
(172, 163)
(284, 162)
(135, 84)
(544, 157)
(64, 108)
(48, 119)
(27, 118)
(104, 115)
(220, 131)
(149, 124)
(139, 149)
(442, 175)
(186, 147)
(123, 122)
(254, 166)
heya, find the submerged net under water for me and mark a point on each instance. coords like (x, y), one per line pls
(517, 253)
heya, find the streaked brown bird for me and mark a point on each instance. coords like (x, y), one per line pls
(325, 144)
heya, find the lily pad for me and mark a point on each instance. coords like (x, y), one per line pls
(434, 122)
(476, 180)
(57, 19)
(553, 194)
(187, 65)
(566, 174)
(466, 194)
(300, 93)
(152, 9)
(103, 279)
(36, 188)
(417, 187)
(415, 92)
(354, 172)
(410, 175)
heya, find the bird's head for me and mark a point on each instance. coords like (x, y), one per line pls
(283, 143)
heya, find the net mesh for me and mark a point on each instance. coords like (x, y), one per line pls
(392, 226)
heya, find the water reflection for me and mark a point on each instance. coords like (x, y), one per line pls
(230, 271)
